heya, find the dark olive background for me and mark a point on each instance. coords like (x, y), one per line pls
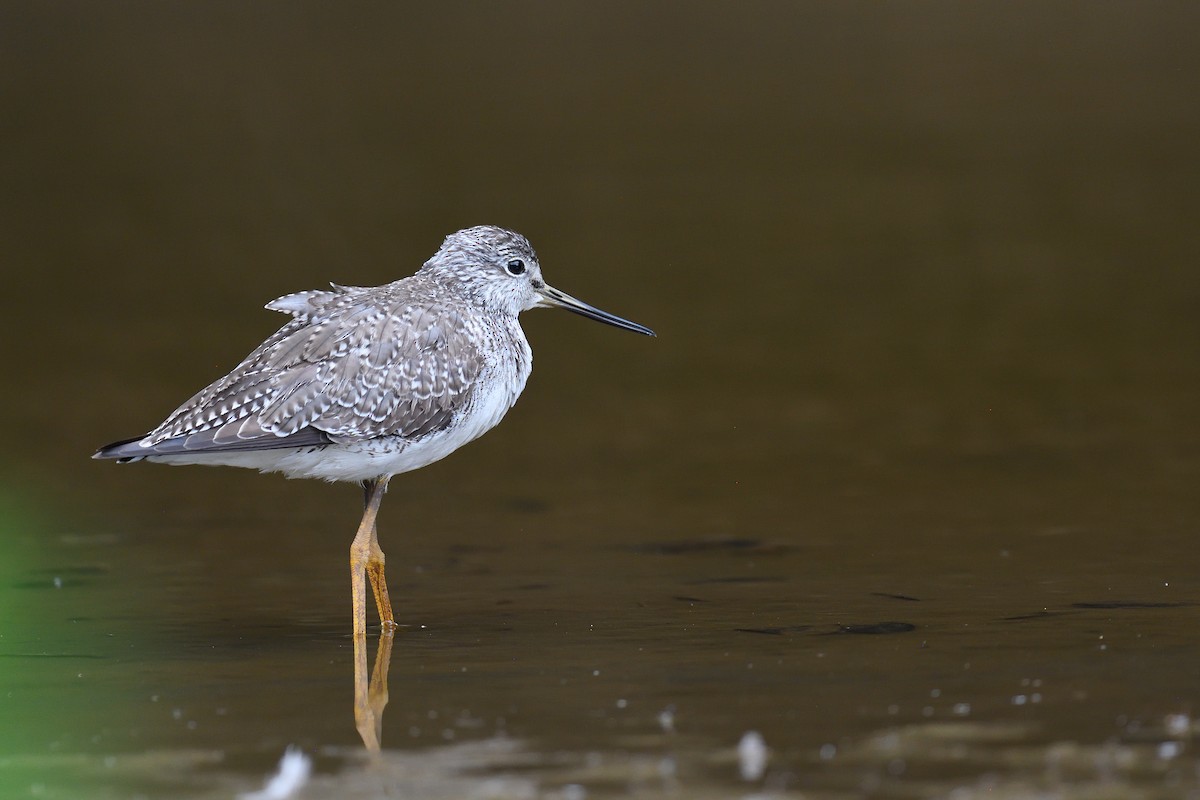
(925, 282)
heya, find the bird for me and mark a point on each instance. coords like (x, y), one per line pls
(365, 383)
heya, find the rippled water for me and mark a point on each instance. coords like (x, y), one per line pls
(906, 484)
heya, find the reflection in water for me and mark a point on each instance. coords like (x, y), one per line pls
(371, 693)
(926, 271)
(959, 759)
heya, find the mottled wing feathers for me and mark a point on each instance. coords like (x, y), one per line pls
(352, 364)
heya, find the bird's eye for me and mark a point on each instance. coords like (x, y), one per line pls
(515, 267)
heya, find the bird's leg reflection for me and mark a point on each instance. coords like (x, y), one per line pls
(371, 691)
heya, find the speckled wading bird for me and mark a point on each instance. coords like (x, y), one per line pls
(368, 382)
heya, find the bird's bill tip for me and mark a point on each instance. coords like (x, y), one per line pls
(553, 298)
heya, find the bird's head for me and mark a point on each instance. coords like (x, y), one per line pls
(498, 268)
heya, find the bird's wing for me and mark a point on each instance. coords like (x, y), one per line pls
(353, 364)
(226, 438)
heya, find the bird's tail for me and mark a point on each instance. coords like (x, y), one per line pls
(123, 451)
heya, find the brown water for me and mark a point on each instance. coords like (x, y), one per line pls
(907, 483)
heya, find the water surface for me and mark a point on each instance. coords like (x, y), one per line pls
(906, 484)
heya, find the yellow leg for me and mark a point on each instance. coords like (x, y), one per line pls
(383, 603)
(366, 558)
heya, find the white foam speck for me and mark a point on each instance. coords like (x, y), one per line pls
(752, 756)
(294, 769)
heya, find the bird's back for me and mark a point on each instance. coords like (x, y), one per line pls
(398, 363)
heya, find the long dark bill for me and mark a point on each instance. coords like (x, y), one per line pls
(555, 299)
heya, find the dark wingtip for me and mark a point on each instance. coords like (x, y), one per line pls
(201, 442)
(124, 449)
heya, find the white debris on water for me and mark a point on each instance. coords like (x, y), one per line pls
(574, 791)
(1169, 750)
(752, 756)
(1177, 724)
(294, 769)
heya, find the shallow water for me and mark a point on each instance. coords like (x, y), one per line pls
(906, 484)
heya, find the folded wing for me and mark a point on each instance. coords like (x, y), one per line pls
(353, 364)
